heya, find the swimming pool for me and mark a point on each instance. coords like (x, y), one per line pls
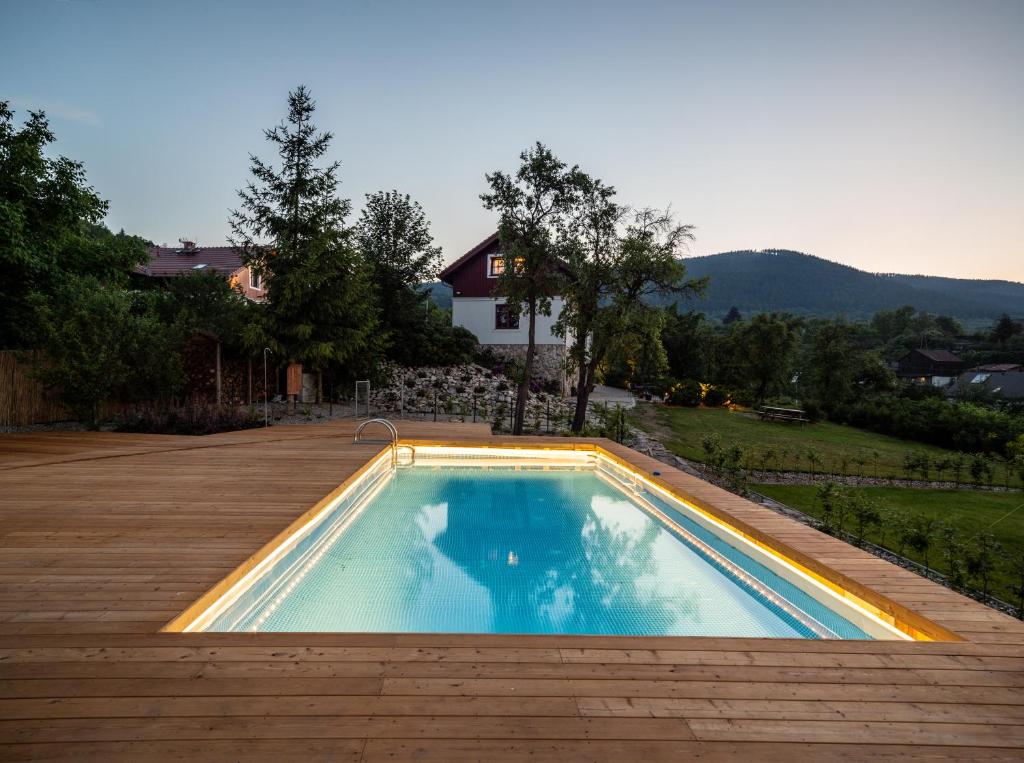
(526, 542)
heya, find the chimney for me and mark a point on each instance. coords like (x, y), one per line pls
(187, 246)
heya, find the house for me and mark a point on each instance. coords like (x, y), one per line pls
(1003, 380)
(170, 262)
(212, 375)
(935, 367)
(473, 277)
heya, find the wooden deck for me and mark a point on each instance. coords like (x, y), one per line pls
(104, 538)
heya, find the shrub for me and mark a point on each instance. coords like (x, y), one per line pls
(687, 392)
(956, 426)
(813, 410)
(715, 397)
(189, 420)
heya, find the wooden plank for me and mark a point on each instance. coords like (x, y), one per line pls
(105, 537)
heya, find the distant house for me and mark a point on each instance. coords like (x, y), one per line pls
(171, 262)
(212, 375)
(473, 277)
(935, 367)
(1005, 380)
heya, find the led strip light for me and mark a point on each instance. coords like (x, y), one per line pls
(732, 570)
(228, 599)
(775, 561)
(619, 476)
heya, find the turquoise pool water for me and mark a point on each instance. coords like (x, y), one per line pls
(497, 550)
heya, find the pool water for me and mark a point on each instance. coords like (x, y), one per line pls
(466, 549)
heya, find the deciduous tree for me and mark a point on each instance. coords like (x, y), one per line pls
(532, 206)
(393, 235)
(50, 230)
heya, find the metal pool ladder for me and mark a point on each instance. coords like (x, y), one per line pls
(392, 439)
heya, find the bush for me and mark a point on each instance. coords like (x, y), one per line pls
(715, 397)
(189, 420)
(687, 392)
(956, 426)
(813, 410)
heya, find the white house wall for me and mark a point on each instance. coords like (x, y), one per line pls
(477, 315)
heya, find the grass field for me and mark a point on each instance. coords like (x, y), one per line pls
(970, 511)
(775, 445)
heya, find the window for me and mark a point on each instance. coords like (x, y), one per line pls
(504, 318)
(496, 265)
(254, 280)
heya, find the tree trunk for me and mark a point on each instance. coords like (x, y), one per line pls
(580, 414)
(524, 383)
(588, 373)
(583, 396)
(218, 372)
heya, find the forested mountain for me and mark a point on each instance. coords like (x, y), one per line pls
(782, 280)
(440, 292)
(787, 281)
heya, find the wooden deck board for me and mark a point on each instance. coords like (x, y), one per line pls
(106, 537)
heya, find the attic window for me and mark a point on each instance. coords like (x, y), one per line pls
(495, 265)
(200, 266)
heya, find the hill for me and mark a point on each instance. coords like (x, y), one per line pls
(787, 281)
(440, 292)
(782, 280)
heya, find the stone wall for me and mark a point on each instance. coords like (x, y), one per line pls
(465, 393)
(549, 360)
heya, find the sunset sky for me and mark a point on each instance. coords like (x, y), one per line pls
(884, 135)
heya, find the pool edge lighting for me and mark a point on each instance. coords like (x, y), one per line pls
(298, 548)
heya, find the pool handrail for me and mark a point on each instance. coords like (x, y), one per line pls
(392, 430)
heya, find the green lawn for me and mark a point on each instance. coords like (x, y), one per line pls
(970, 511)
(775, 445)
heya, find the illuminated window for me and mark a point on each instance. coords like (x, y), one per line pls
(504, 318)
(496, 265)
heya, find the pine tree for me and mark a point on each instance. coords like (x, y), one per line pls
(732, 316)
(291, 229)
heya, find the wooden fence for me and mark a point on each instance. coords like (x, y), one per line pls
(23, 398)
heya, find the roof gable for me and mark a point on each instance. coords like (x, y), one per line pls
(484, 247)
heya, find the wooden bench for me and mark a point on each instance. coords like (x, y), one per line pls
(772, 413)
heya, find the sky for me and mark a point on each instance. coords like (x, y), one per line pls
(884, 135)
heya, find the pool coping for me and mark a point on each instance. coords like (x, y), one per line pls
(917, 626)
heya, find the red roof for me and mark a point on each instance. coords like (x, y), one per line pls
(165, 261)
